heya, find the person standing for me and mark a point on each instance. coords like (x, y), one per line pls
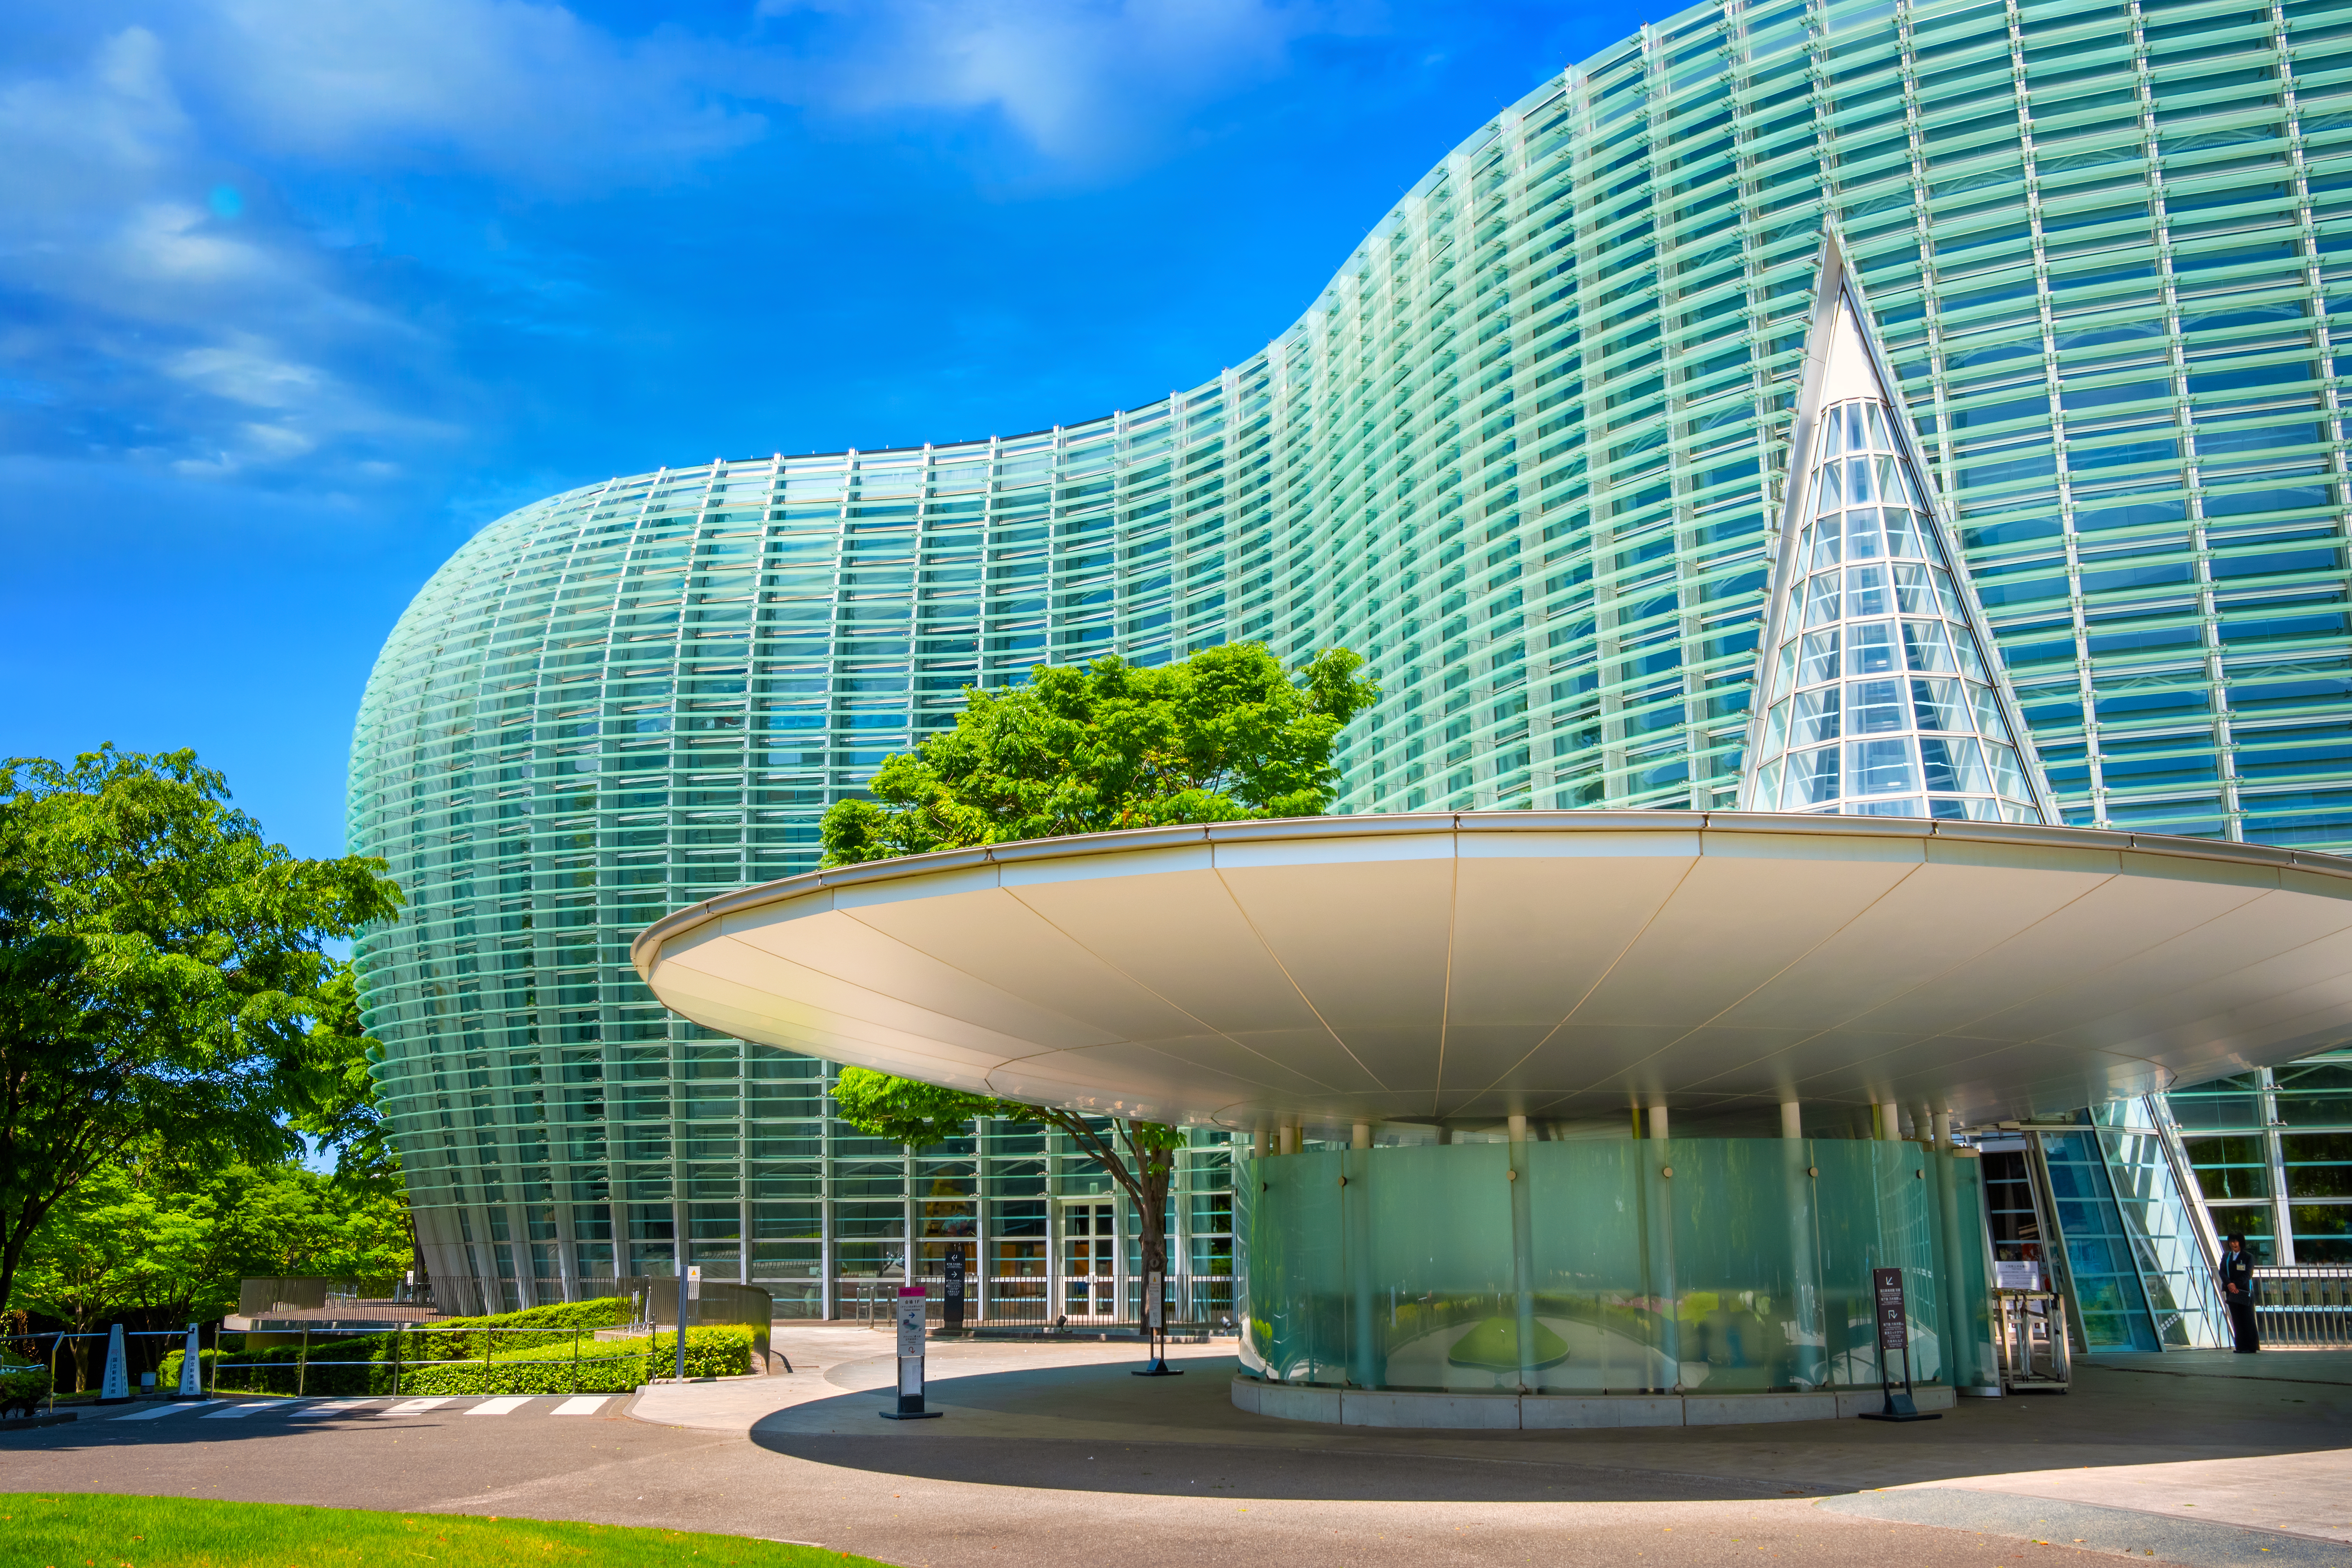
(2238, 1294)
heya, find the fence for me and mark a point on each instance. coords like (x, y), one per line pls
(1038, 1302)
(289, 1298)
(2304, 1307)
(58, 1341)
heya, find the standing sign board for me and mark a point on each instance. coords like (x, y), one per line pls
(951, 1310)
(1894, 1326)
(1894, 1318)
(913, 1309)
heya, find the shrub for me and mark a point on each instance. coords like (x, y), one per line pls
(22, 1387)
(604, 1366)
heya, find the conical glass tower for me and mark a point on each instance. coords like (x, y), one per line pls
(1880, 698)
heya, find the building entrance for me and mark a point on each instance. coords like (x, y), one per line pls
(1089, 1260)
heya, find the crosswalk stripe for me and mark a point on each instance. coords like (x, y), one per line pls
(335, 1407)
(501, 1406)
(413, 1405)
(231, 1413)
(581, 1404)
(160, 1412)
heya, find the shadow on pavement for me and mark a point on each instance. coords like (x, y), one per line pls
(1095, 1428)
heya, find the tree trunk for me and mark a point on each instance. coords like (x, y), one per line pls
(1144, 1170)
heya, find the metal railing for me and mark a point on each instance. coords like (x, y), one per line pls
(59, 1339)
(1025, 1301)
(2304, 1307)
(2029, 1332)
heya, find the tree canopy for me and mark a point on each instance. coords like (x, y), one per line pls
(162, 977)
(1226, 735)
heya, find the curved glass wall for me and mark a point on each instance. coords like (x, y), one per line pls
(1525, 452)
(1693, 1265)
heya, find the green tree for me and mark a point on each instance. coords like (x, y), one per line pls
(1140, 1156)
(161, 975)
(1225, 736)
(155, 1243)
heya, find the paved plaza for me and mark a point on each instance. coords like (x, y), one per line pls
(1052, 1453)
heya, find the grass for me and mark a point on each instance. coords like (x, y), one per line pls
(98, 1530)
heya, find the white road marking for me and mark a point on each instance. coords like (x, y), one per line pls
(581, 1404)
(336, 1407)
(413, 1405)
(234, 1411)
(158, 1413)
(503, 1405)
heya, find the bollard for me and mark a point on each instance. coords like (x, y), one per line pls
(116, 1388)
(192, 1369)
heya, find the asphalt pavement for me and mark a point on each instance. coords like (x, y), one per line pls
(1054, 1455)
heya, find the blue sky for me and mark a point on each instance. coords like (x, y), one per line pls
(294, 295)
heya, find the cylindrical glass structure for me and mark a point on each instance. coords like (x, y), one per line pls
(1679, 1265)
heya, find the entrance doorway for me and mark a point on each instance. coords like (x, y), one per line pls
(1089, 1260)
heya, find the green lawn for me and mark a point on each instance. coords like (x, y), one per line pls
(97, 1529)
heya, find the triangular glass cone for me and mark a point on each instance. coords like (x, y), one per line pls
(1877, 694)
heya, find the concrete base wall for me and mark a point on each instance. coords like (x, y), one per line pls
(1553, 1411)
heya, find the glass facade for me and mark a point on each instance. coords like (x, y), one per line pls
(1527, 453)
(1877, 684)
(2271, 1151)
(1594, 1266)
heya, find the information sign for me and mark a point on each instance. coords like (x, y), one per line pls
(2017, 1275)
(952, 1307)
(1894, 1326)
(912, 1309)
(694, 1282)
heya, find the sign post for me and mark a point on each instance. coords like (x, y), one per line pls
(1894, 1338)
(952, 1307)
(913, 1312)
(1155, 1327)
(690, 1290)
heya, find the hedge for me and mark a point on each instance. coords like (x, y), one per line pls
(604, 1366)
(19, 1384)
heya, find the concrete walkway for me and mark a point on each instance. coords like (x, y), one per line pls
(2209, 1443)
(1052, 1456)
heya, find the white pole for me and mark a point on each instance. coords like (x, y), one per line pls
(1658, 1118)
(1792, 1121)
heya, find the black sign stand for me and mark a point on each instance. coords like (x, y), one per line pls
(1894, 1334)
(952, 1306)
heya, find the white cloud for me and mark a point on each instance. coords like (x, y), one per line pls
(509, 86)
(1084, 82)
(156, 327)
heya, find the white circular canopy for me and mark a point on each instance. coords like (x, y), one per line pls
(1562, 965)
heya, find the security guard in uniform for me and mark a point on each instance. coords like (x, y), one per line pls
(2238, 1294)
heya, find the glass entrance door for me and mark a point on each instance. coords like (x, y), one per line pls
(1089, 1260)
